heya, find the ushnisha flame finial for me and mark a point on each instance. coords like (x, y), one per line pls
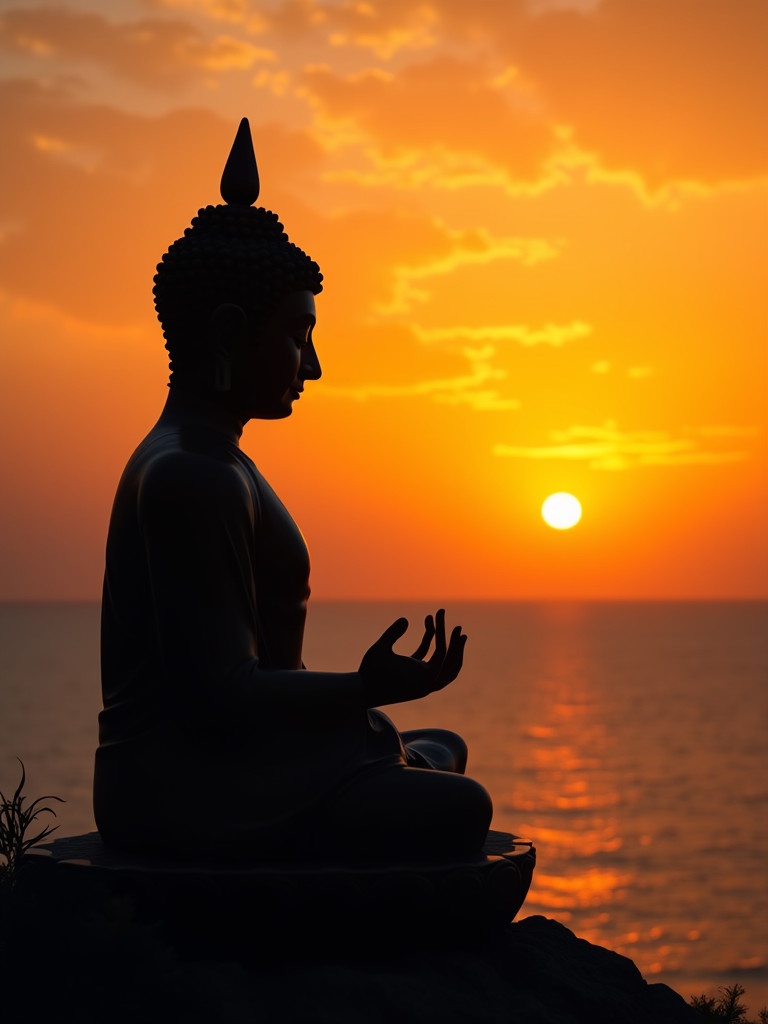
(240, 180)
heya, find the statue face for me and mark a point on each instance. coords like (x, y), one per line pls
(270, 366)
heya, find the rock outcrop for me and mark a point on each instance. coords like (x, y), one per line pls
(89, 966)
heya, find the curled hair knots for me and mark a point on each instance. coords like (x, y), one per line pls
(231, 254)
(243, 221)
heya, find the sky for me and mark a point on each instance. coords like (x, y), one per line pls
(542, 227)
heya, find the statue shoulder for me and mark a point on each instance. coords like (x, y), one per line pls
(167, 471)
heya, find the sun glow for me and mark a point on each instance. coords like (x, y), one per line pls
(561, 511)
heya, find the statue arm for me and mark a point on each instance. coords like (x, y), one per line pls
(384, 677)
(198, 517)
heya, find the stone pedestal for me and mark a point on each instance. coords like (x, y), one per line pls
(228, 908)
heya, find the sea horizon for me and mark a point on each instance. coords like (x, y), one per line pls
(432, 601)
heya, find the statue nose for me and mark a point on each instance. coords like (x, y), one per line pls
(310, 364)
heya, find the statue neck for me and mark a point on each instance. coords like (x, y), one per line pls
(186, 405)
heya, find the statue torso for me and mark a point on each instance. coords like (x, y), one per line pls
(206, 570)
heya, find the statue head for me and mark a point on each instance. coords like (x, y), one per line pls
(233, 254)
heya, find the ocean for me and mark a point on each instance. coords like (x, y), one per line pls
(628, 740)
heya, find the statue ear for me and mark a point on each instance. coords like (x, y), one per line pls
(227, 327)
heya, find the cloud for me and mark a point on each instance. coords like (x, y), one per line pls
(157, 52)
(545, 6)
(451, 95)
(367, 27)
(439, 169)
(444, 105)
(46, 322)
(90, 196)
(608, 448)
(725, 430)
(692, 458)
(235, 11)
(671, 90)
(276, 82)
(467, 248)
(602, 366)
(555, 335)
(480, 401)
(408, 255)
(384, 29)
(466, 389)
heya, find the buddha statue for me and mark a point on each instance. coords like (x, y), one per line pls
(215, 740)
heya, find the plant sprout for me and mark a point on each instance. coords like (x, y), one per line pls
(15, 822)
(726, 1007)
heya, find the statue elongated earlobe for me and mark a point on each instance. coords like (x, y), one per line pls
(228, 322)
(240, 180)
(222, 373)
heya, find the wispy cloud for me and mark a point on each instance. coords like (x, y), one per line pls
(276, 82)
(724, 430)
(706, 59)
(555, 335)
(544, 6)
(467, 389)
(50, 324)
(57, 148)
(466, 248)
(369, 29)
(430, 111)
(603, 366)
(235, 11)
(522, 77)
(154, 51)
(608, 448)
(411, 167)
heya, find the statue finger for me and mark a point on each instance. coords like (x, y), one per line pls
(438, 655)
(454, 658)
(392, 633)
(429, 631)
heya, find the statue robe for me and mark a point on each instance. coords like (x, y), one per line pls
(206, 585)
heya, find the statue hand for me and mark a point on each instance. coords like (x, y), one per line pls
(390, 678)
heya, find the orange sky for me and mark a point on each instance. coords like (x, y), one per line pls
(543, 232)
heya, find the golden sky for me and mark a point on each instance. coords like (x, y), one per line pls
(542, 225)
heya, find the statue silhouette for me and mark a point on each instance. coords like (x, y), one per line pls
(214, 739)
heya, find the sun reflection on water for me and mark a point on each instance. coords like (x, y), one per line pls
(593, 887)
(567, 795)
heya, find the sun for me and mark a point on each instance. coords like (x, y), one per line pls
(561, 511)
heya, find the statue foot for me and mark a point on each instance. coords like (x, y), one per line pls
(441, 749)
